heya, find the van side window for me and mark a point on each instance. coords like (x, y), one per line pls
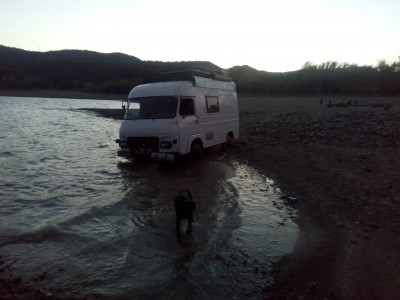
(212, 104)
(187, 107)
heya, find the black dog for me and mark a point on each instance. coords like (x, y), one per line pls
(184, 207)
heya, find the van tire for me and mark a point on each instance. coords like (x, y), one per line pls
(196, 152)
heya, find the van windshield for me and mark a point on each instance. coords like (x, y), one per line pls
(162, 107)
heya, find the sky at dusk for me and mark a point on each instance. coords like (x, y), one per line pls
(270, 35)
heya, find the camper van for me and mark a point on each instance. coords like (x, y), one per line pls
(179, 113)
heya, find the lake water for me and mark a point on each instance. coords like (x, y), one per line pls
(101, 227)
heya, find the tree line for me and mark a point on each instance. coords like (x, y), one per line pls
(118, 73)
(329, 78)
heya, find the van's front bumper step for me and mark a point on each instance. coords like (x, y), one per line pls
(154, 155)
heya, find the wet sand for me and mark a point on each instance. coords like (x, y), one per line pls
(345, 173)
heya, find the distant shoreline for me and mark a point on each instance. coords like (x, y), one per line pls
(62, 94)
(68, 94)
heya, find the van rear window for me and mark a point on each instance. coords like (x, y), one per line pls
(212, 104)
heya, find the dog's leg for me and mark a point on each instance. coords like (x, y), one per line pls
(190, 220)
(178, 227)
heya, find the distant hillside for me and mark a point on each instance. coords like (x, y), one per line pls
(117, 73)
(78, 70)
(329, 78)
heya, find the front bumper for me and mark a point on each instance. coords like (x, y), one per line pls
(154, 155)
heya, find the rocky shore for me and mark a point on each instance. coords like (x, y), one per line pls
(377, 128)
(342, 164)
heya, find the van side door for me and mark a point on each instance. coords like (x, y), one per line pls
(187, 123)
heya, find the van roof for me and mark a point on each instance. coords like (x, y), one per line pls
(199, 77)
(188, 74)
(160, 89)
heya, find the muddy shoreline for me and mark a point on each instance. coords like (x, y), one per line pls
(343, 164)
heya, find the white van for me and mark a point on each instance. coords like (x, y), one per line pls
(178, 113)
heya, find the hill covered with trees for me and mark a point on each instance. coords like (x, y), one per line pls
(117, 73)
(330, 78)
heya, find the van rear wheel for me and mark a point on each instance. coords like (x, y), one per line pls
(196, 152)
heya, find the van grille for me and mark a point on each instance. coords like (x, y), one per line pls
(143, 145)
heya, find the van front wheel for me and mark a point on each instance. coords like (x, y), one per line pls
(196, 152)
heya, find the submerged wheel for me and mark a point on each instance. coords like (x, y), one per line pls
(196, 152)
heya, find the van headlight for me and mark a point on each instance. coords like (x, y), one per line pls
(123, 144)
(165, 145)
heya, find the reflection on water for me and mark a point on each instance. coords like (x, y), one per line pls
(103, 227)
